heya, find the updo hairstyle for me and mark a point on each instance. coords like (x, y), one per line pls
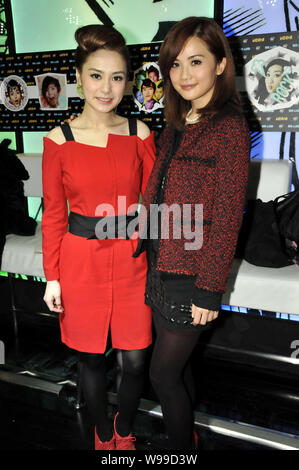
(90, 38)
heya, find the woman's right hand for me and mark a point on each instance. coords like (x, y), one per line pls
(52, 296)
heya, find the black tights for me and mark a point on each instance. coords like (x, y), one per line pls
(172, 379)
(94, 383)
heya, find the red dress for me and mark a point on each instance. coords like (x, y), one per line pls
(102, 285)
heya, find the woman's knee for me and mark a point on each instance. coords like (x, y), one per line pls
(133, 364)
(154, 376)
(158, 376)
(133, 368)
(164, 378)
(92, 361)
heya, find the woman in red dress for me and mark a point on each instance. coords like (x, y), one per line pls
(99, 160)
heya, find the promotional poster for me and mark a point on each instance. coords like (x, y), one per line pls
(268, 79)
(47, 93)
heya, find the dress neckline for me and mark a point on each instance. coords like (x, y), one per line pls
(109, 137)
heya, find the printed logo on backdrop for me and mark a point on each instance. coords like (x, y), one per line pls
(148, 89)
(13, 93)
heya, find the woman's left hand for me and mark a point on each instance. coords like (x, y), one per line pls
(201, 315)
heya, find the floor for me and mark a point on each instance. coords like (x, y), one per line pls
(238, 409)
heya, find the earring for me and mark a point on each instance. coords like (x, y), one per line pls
(80, 91)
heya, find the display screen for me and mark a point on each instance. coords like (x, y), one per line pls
(50, 25)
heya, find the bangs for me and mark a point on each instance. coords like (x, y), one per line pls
(211, 34)
(170, 50)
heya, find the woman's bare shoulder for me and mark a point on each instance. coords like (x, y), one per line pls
(56, 135)
(143, 131)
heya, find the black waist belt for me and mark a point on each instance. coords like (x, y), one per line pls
(102, 227)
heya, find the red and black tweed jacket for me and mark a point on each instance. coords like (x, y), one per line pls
(210, 168)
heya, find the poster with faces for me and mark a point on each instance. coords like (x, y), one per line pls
(272, 79)
(267, 70)
(52, 91)
(13, 93)
(148, 89)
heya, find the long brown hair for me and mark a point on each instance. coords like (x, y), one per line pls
(225, 91)
(92, 37)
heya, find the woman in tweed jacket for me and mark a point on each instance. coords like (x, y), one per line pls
(201, 171)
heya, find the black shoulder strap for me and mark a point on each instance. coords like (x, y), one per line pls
(133, 126)
(67, 131)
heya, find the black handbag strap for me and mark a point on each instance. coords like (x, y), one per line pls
(285, 199)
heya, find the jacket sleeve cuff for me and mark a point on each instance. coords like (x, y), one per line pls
(51, 275)
(206, 299)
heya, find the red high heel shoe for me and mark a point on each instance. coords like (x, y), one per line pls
(123, 443)
(107, 445)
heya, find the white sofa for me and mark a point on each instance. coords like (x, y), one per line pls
(249, 286)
